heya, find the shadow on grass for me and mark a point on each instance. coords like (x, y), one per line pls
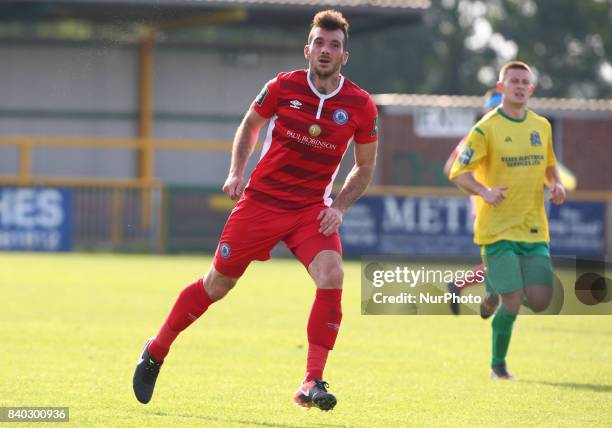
(243, 421)
(572, 385)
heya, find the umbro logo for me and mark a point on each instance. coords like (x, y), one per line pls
(295, 104)
(508, 140)
(333, 326)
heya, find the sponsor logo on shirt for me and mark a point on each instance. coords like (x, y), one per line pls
(524, 160)
(311, 142)
(508, 140)
(295, 104)
(535, 139)
(314, 130)
(340, 117)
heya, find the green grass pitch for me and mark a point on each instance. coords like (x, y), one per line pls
(72, 327)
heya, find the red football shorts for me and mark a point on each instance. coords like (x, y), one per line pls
(252, 230)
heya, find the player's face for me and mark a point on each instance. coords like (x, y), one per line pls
(516, 87)
(325, 52)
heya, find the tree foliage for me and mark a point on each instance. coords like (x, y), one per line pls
(459, 45)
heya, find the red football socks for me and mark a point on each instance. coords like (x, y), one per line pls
(192, 302)
(323, 326)
(315, 361)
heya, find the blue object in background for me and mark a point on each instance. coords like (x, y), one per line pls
(428, 226)
(35, 219)
(577, 229)
(436, 226)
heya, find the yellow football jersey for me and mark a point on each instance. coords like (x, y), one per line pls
(503, 151)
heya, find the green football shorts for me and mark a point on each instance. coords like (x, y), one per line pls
(512, 265)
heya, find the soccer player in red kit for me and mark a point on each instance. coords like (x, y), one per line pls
(313, 115)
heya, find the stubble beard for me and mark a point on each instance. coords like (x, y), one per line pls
(324, 75)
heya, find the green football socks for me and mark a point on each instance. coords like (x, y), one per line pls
(502, 331)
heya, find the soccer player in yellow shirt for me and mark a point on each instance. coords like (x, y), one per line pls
(492, 99)
(506, 160)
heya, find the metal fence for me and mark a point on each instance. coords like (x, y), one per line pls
(115, 219)
(133, 217)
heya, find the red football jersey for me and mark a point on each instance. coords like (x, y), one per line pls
(307, 137)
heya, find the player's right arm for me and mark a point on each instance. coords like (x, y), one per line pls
(451, 159)
(242, 149)
(468, 183)
(245, 139)
(449, 162)
(462, 171)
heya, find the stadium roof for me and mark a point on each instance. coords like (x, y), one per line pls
(456, 101)
(364, 15)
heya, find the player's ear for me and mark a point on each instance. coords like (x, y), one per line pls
(345, 57)
(531, 88)
(306, 51)
(499, 86)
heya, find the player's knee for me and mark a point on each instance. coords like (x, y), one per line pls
(331, 277)
(538, 305)
(218, 285)
(512, 302)
(538, 297)
(219, 289)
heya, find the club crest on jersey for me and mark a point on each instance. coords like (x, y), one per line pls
(535, 139)
(225, 250)
(314, 130)
(340, 117)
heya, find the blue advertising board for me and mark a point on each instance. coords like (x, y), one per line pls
(577, 229)
(442, 226)
(35, 219)
(408, 226)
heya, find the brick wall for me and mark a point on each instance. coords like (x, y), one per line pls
(407, 159)
(587, 152)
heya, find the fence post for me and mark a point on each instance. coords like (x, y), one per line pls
(117, 218)
(25, 162)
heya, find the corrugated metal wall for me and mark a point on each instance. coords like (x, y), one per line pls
(62, 89)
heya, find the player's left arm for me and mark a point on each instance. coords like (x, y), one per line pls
(355, 184)
(552, 177)
(553, 180)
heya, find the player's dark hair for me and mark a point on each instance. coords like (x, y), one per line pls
(520, 65)
(330, 20)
